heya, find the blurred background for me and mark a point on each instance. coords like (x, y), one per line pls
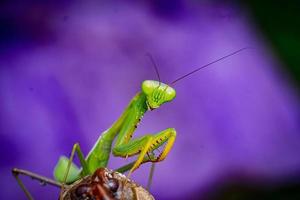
(68, 70)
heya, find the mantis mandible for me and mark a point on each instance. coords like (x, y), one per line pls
(153, 94)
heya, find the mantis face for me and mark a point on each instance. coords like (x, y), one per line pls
(157, 93)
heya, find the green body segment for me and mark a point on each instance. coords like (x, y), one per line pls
(124, 127)
(153, 94)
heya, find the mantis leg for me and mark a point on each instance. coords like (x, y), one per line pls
(167, 136)
(16, 172)
(150, 176)
(62, 170)
(66, 171)
(147, 144)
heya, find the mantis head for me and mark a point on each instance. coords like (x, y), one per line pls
(157, 93)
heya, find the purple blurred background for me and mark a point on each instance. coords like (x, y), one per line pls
(69, 69)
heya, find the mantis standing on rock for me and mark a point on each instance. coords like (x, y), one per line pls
(152, 95)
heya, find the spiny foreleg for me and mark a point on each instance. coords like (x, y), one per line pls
(146, 145)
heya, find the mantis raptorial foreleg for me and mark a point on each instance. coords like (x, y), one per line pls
(146, 144)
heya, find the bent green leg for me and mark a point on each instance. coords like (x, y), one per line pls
(66, 171)
(146, 144)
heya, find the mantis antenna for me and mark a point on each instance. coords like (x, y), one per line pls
(154, 65)
(204, 66)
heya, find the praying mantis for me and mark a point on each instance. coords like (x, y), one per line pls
(153, 94)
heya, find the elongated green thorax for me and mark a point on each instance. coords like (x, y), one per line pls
(124, 126)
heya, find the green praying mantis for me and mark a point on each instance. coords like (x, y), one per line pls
(153, 94)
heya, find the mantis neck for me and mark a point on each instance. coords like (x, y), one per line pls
(133, 113)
